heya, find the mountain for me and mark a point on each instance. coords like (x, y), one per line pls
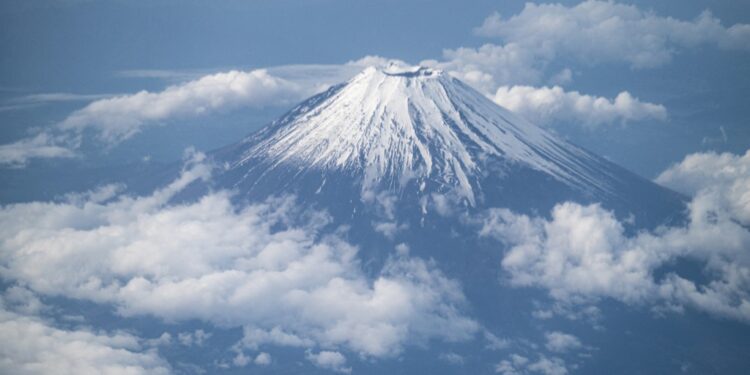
(421, 135)
(410, 155)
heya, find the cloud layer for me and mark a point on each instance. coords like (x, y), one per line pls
(582, 253)
(33, 346)
(271, 270)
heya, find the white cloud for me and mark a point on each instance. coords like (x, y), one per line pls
(51, 97)
(549, 366)
(30, 346)
(593, 32)
(262, 359)
(196, 338)
(494, 342)
(725, 177)
(36, 100)
(582, 254)
(162, 74)
(517, 365)
(590, 33)
(600, 32)
(43, 145)
(490, 65)
(270, 270)
(561, 342)
(241, 360)
(329, 360)
(546, 105)
(512, 366)
(504, 73)
(164, 340)
(118, 118)
(318, 77)
(452, 358)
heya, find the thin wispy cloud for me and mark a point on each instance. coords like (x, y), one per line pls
(41, 146)
(163, 74)
(37, 100)
(59, 97)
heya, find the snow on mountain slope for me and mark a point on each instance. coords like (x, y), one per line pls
(401, 123)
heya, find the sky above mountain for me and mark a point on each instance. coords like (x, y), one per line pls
(97, 275)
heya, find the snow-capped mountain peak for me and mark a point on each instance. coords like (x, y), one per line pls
(399, 123)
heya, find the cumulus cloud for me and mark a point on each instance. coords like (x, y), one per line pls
(329, 360)
(600, 32)
(725, 177)
(272, 269)
(30, 345)
(548, 366)
(561, 342)
(512, 366)
(590, 33)
(118, 118)
(43, 145)
(546, 105)
(494, 342)
(262, 359)
(196, 338)
(582, 253)
(517, 364)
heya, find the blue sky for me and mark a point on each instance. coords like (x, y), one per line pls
(94, 93)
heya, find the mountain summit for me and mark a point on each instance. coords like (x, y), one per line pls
(416, 132)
